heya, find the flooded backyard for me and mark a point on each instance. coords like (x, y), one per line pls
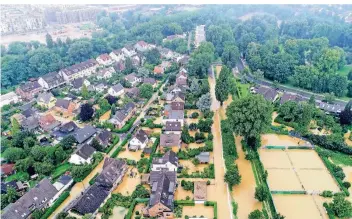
(138, 209)
(131, 155)
(347, 140)
(273, 117)
(199, 210)
(119, 212)
(129, 183)
(282, 140)
(243, 193)
(192, 168)
(182, 194)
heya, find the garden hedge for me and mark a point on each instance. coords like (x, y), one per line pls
(57, 203)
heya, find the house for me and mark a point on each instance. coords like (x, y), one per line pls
(173, 128)
(177, 105)
(139, 141)
(170, 141)
(48, 122)
(37, 198)
(64, 130)
(105, 73)
(112, 173)
(30, 123)
(268, 93)
(100, 87)
(181, 78)
(163, 186)
(104, 138)
(84, 134)
(174, 116)
(83, 155)
(123, 115)
(150, 81)
(165, 64)
(46, 100)
(119, 66)
(117, 55)
(137, 60)
(66, 107)
(133, 79)
(159, 69)
(116, 90)
(30, 111)
(203, 157)
(7, 169)
(166, 53)
(51, 80)
(290, 97)
(64, 182)
(83, 69)
(78, 83)
(129, 51)
(18, 186)
(330, 108)
(174, 37)
(200, 192)
(175, 97)
(9, 98)
(29, 90)
(104, 59)
(133, 92)
(182, 60)
(142, 46)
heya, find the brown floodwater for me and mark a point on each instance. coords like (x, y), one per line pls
(129, 183)
(273, 117)
(190, 111)
(182, 194)
(119, 212)
(282, 140)
(138, 208)
(297, 206)
(77, 189)
(348, 172)
(149, 130)
(347, 140)
(317, 180)
(192, 168)
(105, 116)
(199, 210)
(243, 193)
(283, 180)
(131, 155)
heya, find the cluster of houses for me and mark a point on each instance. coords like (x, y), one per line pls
(273, 95)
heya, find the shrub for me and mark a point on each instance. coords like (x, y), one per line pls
(194, 115)
(327, 194)
(347, 185)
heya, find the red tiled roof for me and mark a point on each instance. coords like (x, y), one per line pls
(7, 168)
(104, 57)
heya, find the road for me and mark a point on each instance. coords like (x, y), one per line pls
(221, 187)
(305, 94)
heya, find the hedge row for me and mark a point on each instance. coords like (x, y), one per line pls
(57, 203)
(288, 192)
(127, 126)
(119, 148)
(215, 206)
(331, 142)
(92, 180)
(133, 205)
(155, 145)
(115, 141)
(184, 202)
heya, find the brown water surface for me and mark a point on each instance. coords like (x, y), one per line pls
(199, 210)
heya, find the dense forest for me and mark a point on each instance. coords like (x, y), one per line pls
(287, 43)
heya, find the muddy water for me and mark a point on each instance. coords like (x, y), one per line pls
(119, 212)
(348, 141)
(105, 116)
(192, 167)
(131, 155)
(218, 69)
(192, 146)
(224, 107)
(77, 189)
(182, 194)
(199, 210)
(149, 130)
(220, 187)
(244, 192)
(348, 173)
(273, 117)
(189, 121)
(158, 120)
(281, 140)
(138, 208)
(129, 183)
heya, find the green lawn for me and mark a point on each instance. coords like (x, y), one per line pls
(343, 159)
(243, 88)
(19, 176)
(344, 71)
(61, 170)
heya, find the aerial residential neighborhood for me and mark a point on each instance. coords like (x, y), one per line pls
(176, 111)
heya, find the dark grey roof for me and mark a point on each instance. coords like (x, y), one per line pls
(53, 79)
(105, 136)
(45, 97)
(169, 156)
(180, 95)
(84, 134)
(163, 185)
(30, 86)
(90, 201)
(29, 112)
(290, 96)
(169, 140)
(118, 87)
(268, 93)
(62, 103)
(332, 108)
(86, 151)
(147, 150)
(6, 185)
(141, 136)
(176, 114)
(30, 123)
(133, 92)
(112, 170)
(68, 127)
(173, 126)
(36, 198)
(121, 114)
(77, 83)
(64, 179)
(149, 81)
(79, 67)
(131, 77)
(177, 106)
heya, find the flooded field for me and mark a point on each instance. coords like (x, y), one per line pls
(317, 180)
(282, 140)
(199, 210)
(77, 189)
(129, 183)
(297, 206)
(243, 193)
(119, 212)
(131, 155)
(182, 194)
(192, 167)
(283, 180)
(274, 158)
(305, 159)
(105, 116)
(189, 120)
(347, 140)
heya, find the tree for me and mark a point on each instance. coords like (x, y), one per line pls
(153, 56)
(172, 79)
(80, 51)
(24, 164)
(232, 176)
(80, 171)
(95, 144)
(349, 89)
(104, 104)
(223, 84)
(87, 112)
(185, 136)
(195, 88)
(84, 91)
(258, 74)
(204, 102)
(111, 99)
(341, 207)
(261, 193)
(44, 168)
(67, 142)
(256, 214)
(204, 125)
(49, 40)
(346, 114)
(250, 116)
(349, 77)
(329, 98)
(230, 55)
(38, 153)
(62, 215)
(146, 91)
(15, 126)
(13, 154)
(143, 72)
(11, 194)
(312, 100)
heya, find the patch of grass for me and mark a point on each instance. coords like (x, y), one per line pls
(345, 70)
(61, 170)
(19, 176)
(343, 159)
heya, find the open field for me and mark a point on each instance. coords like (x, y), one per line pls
(297, 206)
(281, 159)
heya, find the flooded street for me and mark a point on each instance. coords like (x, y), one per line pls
(244, 192)
(220, 187)
(77, 189)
